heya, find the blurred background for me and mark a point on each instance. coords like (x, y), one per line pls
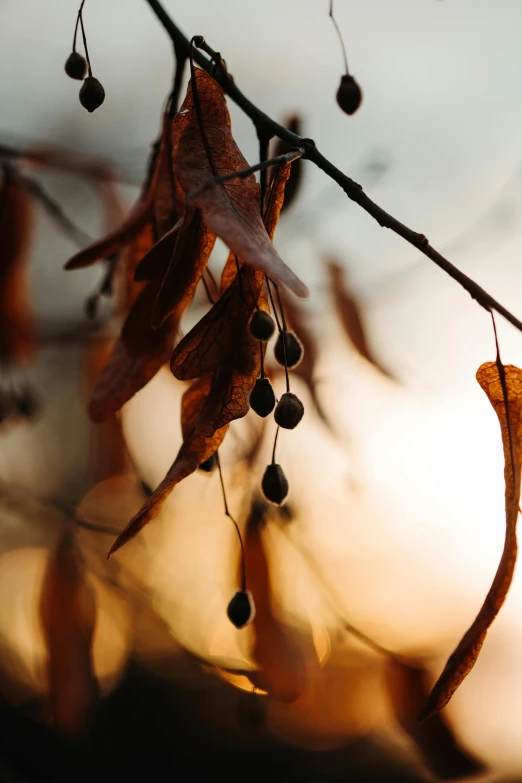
(395, 520)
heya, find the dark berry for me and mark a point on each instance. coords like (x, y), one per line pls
(209, 465)
(294, 349)
(289, 411)
(349, 95)
(241, 610)
(262, 398)
(27, 403)
(76, 66)
(92, 94)
(274, 484)
(262, 325)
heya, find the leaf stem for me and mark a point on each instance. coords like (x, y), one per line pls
(343, 48)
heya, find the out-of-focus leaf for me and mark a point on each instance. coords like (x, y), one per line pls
(17, 335)
(350, 316)
(137, 356)
(128, 287)
(276, 648)
(462, 660)
(439, 747)
(68, 615)
(194, 243)
(230, 209)
(294, 124)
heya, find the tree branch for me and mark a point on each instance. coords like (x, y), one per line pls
(353, 190)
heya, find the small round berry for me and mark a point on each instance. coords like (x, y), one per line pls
(262, 325)
(241, 609)
(92, 94)
(294, 349)
(274, 484)
(349, 95)
(289, 411)
(262, 398)
(209, 465)
(76, 66)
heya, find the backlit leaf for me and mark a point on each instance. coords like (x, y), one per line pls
(350, 316)
(462, 660)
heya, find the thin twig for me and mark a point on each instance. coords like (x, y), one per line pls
(238, 531)
(343, 48)
(288, 157)
(352, 189)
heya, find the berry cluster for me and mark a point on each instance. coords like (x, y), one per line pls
(92, 94)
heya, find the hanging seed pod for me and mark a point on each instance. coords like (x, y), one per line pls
(289, 411)
(27, 403)
(92, 94)
(209, 465)
(274, 484)
(262, 325)
(262, 398)
(241, 609)
(76, 66)
(294, 349)
(349, 95)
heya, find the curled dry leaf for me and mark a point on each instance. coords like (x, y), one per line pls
(462, 660)
(68, 616)
(277, 650)
(439, 747)
(230, 209)
(194, 243)
(136, 357)
(350, 316)
(17, 336)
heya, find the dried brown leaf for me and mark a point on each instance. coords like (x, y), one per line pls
(462, 660)
(68, 615)
(211, 404)
(350, 316)
(17, 335)
(155, 262)
(137, 356)
(439, 747)
(230, 209)
(194, 243)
